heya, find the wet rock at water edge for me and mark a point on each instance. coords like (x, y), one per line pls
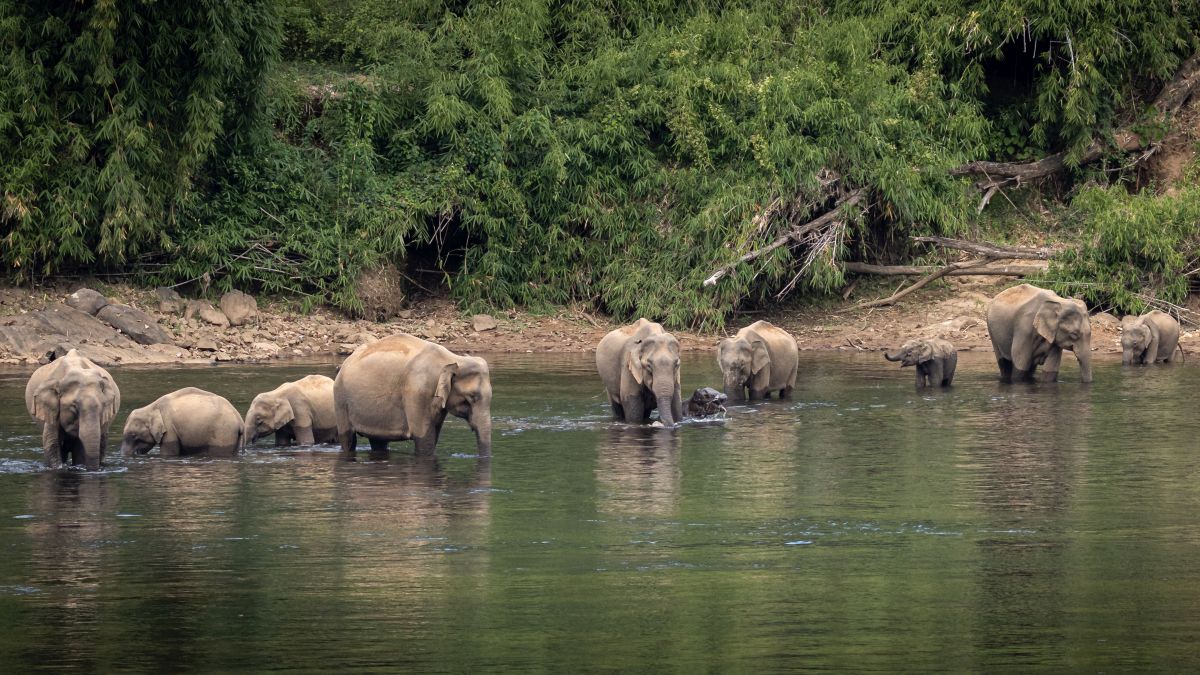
(482, 322)
(135, 323)
(87, 300)
(169, 301)
(239, 307)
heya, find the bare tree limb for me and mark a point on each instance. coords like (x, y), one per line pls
(915, 270)
(988, 249)
(890, 300)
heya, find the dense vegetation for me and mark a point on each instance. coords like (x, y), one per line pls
(609, 152)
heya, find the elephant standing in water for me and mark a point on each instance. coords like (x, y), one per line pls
(402, 387)
(300, 411)
(184, 422)
(75, 400)
(935, 360)
(761, 358)
(1149, 338)
(1031, 326)
(639, 365)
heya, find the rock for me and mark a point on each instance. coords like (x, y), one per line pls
(434, 332)
(87, 300)
(266, 347)
(206, 312)
(346, 348)
(405, 314)
(482, 322)
(239, 307)
(205, 345)
(1105, 321)
(364, 338)
(138, 325)
(169, 301)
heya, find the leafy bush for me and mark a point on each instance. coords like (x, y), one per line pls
(1135, 246)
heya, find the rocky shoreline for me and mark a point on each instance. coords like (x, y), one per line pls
(130, 326)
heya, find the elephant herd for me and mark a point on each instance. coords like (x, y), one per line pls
(402, 387)
(397, 388)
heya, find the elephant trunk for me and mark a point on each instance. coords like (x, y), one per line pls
(126, 448)
(90, 433)
(665, 395)
(1127, 357)
(481, 423)
(735, 387)
(1083, 353)
(249, 428)
(894, 356)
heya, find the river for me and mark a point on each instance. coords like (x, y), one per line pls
(862, 525)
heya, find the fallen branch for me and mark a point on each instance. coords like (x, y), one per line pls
(914, 270)
(793, 234)
(989, 250)
(966, 264)
(1185, 315)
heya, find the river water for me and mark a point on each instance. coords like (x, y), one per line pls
(862, 525)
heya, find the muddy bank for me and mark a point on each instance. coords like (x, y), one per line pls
(35, 323)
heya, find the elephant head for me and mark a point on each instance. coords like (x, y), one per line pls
(1064, 322)
(144, 429)
(742, 359)
(911, 353)
(1135, 340)
(82, 403)
(268, 413)
(653, 360)
(464, 389)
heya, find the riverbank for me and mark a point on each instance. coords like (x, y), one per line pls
(35, 322)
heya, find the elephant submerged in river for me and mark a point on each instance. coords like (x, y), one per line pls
(1031, 326)
(402, 387)
(1149, 338)
(300, 411)
(639, 365)
(935, 360)
(75, 400)
(760, 359)
(184, 422)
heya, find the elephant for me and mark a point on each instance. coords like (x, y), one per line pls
(705, 401)
(935, 360)
(300, 411)
(184, 422)
(761, 358)
(75, 400)
(1031, 326)
(1149, 338)
(402, 387)
(639, 366)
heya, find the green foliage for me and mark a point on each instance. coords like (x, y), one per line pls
(1134, 246)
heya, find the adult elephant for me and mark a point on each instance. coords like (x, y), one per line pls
(184, 422)
(300, 411)
(74, 400)
(402, 387)
(761, 358)
(1031, 326)
(639, 365)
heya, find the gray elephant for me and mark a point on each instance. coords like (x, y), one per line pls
(761, 358)
(639, 365)
(1031, 326)
(300, 411)
(74, 400)
(185, 422)
(935, 360)
(402, 387)
(705, 401)
(1149, 338)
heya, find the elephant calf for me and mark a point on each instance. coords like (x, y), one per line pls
(300, 411)
(74, 400)
(760, 359)
(184, 422)
(705, 401)
(1149, 338)
(935, 360)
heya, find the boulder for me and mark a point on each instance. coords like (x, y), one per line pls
(1105, 321)
(205, 345)
(206, 312)
(269, 348)
(138, 325)
(239, 307)
(87, 300)
(482, 322)
(169, 301)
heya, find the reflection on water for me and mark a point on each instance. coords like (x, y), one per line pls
(862, 525)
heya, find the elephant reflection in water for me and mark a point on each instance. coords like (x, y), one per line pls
(73, 520)
(637, 471)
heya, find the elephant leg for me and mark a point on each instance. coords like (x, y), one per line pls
(348, 439)
(618, 411)
(427, 444)
(1006, 369)
(282, 438)
(786, 392)
(920, 376)
(52, 445)
(304, 435)
(935, 373)
(635, 409)
(1051, 365)
(170, 446)
(378, 445)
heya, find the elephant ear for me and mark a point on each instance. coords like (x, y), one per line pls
(45, 403)
(759, 357)
(633, 361)
(158, 426)
(110, 388)
(284, 413)
(1045, 322)
(441, 393)
(924, 352)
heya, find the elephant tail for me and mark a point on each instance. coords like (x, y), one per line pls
(1182, 354)
(241, 441)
